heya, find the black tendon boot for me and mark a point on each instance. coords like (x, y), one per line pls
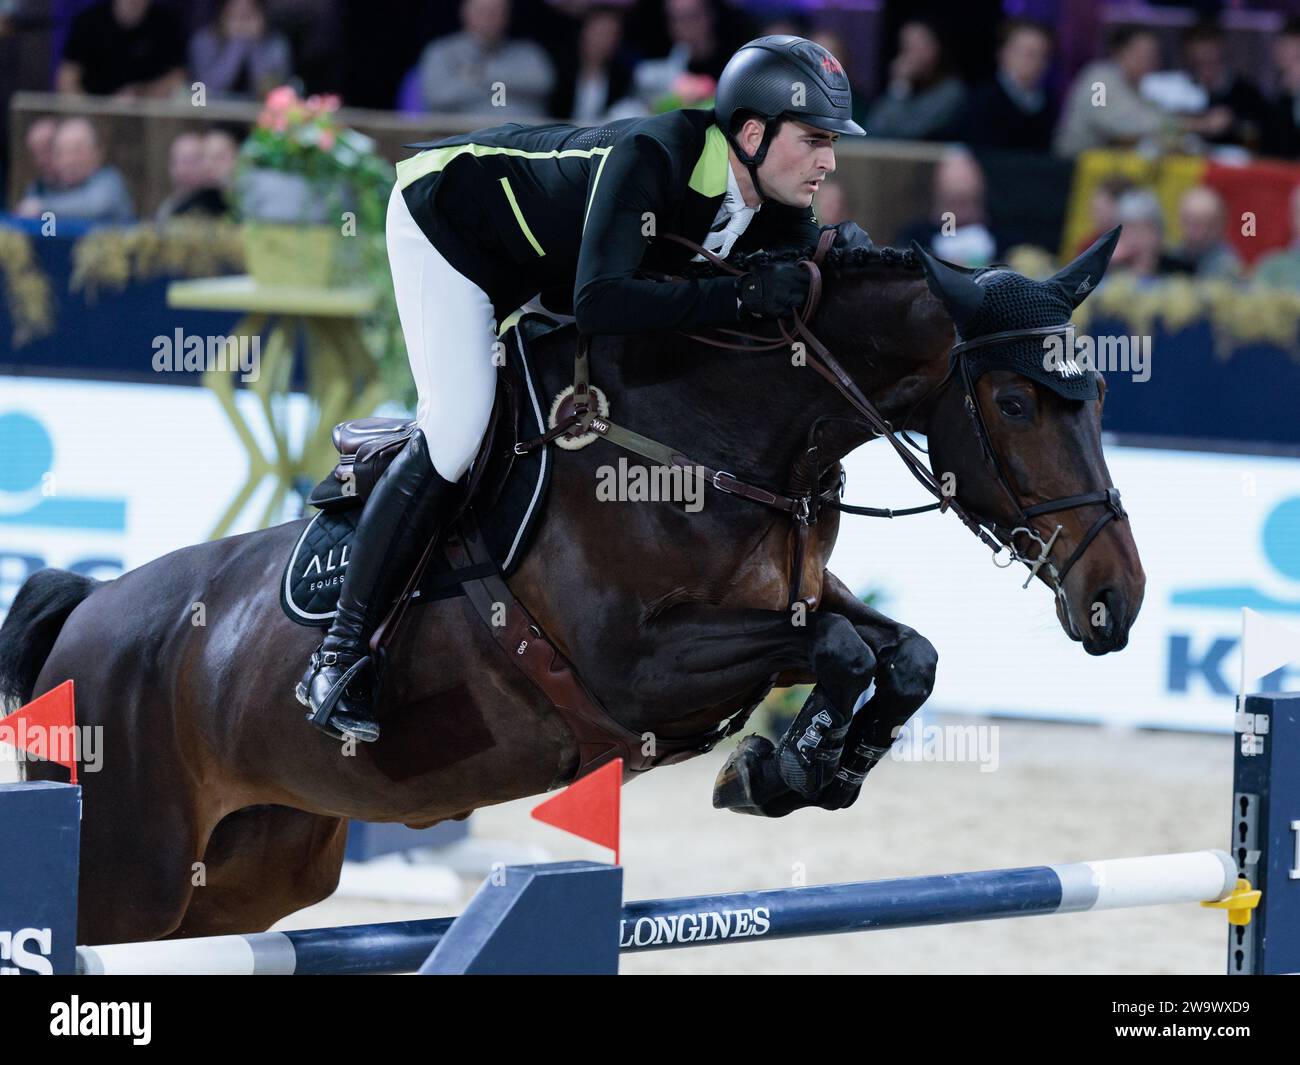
(402, 515)
(809, 753)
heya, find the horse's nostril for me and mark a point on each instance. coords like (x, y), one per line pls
(1107, 616)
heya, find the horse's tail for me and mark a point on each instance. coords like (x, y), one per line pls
(32, 625)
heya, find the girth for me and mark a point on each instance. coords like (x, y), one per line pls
(600, 738)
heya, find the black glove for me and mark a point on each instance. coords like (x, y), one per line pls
(849, 235)
(774, 290)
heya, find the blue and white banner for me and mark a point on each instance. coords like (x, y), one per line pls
(1216, 532)
(101, 478)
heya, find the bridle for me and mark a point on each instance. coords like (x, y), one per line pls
(802, 509)
(1107, 497)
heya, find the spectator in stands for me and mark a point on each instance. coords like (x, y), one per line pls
(133, 48)
(838, 46)
(830, 205)
(87, 190)
(220, 153)
(598, 78)
(697, 25)
(1105, 107)
(790, 24)
(1204, 252)
(957, 228)
(192, 193)
(40, 146)
(1281, 269)
(924, 100)
(697, 47)
(237, 55)
(1206, 58)
(481, 71)
(1012, 110)
(1138, 251)
(1282, 126)
(1103, 210)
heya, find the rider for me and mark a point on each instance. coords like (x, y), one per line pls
(479, 224)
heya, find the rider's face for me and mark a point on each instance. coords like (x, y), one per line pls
(798, 159)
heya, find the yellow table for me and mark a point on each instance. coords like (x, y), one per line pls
(342, 377)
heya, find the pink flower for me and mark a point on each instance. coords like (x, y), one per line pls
(326, 139)
(279, 123)
(281, 98)
(320, 105)
(693, 87)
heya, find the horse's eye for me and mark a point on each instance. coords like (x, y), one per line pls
(1011, 408)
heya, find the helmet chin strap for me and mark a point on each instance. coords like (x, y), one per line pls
(753, 162)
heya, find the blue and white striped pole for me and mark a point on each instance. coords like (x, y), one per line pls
(660, 924)
(707, 920)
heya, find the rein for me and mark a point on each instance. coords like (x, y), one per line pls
(802, 509)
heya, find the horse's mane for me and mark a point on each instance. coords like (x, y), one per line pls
(837, 260)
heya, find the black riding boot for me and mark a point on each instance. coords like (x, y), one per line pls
(402, 515)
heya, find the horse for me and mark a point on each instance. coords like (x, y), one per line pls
(217, 810)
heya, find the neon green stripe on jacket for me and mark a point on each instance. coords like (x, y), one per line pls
(519, 216)
(435, 159)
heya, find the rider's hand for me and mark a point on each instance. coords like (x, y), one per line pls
(774, 290)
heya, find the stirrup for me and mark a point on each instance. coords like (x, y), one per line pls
(320, 717)
(363, 730)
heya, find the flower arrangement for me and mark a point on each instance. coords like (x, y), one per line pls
(687, 90)
(299, 142)
(306, 138)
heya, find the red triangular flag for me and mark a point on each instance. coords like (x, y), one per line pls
(589, 807)
(41, 727)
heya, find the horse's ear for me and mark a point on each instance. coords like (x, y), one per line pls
(960, 295)
(1083, 275)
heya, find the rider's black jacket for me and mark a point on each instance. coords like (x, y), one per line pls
(526, 209)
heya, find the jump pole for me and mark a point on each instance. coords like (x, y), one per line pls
(506, 926)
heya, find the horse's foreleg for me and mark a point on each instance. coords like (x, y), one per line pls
(699, 657)
(750, 782)
(702, 657)
(904, 680)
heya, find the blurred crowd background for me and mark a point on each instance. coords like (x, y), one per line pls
(1009, 86)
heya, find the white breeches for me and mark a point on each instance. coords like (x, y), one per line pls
(449, 325)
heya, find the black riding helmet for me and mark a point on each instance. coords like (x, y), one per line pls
(767, 75)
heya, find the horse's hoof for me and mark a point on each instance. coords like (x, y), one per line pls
(838, 798)
(749, 784)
